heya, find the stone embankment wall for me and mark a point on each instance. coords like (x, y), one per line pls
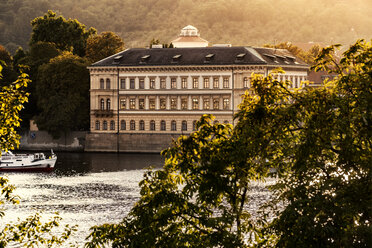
(41, 140)
(146, 143)
(84, 141)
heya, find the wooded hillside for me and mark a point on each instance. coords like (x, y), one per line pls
(239, 22)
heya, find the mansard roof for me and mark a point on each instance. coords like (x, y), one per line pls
(200, 56)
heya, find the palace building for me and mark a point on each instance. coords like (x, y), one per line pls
(141, 98)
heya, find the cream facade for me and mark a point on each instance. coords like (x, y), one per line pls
(165, 91)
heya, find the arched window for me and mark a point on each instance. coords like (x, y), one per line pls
(162, 125)
(108, 84)
(141, 125)
(101, 83)
(102, 104)
(112, 125)
(132, 125)
(123, 125)
(152, 125)
(108, 104)
(104, 125)
(184, 126)
(98, 125)
(174, 126)
(194, 125)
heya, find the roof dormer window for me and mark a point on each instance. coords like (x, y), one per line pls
(117, 59)
(145, 58)
(209, 57)
(176, 58)
(240, 56)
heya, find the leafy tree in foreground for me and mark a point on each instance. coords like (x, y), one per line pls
(327, 188)
(103, 45)
(62, 94)
(67, 35)
(317, 139)
(30, 232)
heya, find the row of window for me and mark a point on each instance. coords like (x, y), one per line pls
(161, 83)
(195, 82)
(141, 125)
(174, 103)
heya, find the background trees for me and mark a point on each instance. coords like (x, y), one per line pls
(103, 45)
(67, 35)
(63, 94)
(317, 139)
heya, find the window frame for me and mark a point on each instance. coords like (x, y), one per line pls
(132, 125)
(141, 125)
(123, 125)
(163, 125)
(108, 84)
(122, 83)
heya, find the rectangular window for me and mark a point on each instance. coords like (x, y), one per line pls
(123, 104)
(216, 83)
(141, 103)
(173, 103)
(226, 83)
(173, 83)
(142, 83)
(162, 83)
(195, 83)
(132, 83)
(184, 103)
(216, 103)
(152, 103)
(184, 83)
(152, 83)
(162, 103)
(226, 103)
(122, 83)
(195, 103)
(132, 103)
(206, 83)
(206, 103)
(246, 82)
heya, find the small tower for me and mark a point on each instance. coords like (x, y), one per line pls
(189, 37)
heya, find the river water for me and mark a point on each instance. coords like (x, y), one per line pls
(87, 189)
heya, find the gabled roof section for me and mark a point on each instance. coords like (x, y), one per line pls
(199, 56)
(279, 57)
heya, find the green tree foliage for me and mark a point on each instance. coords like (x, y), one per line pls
(327, 188)
(62, 94)
(30, 232)
(67, 35)
(12, 98)
(40, 53)
(103, 45)
(8, 73)
(318, 139)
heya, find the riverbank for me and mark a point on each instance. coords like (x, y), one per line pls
(41, 140)
(83, 141)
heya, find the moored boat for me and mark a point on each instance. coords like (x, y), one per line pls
(27, 162)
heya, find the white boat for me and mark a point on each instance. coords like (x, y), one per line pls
(27, 162)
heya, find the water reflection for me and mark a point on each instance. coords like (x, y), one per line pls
(86, 189)
(81, 163)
